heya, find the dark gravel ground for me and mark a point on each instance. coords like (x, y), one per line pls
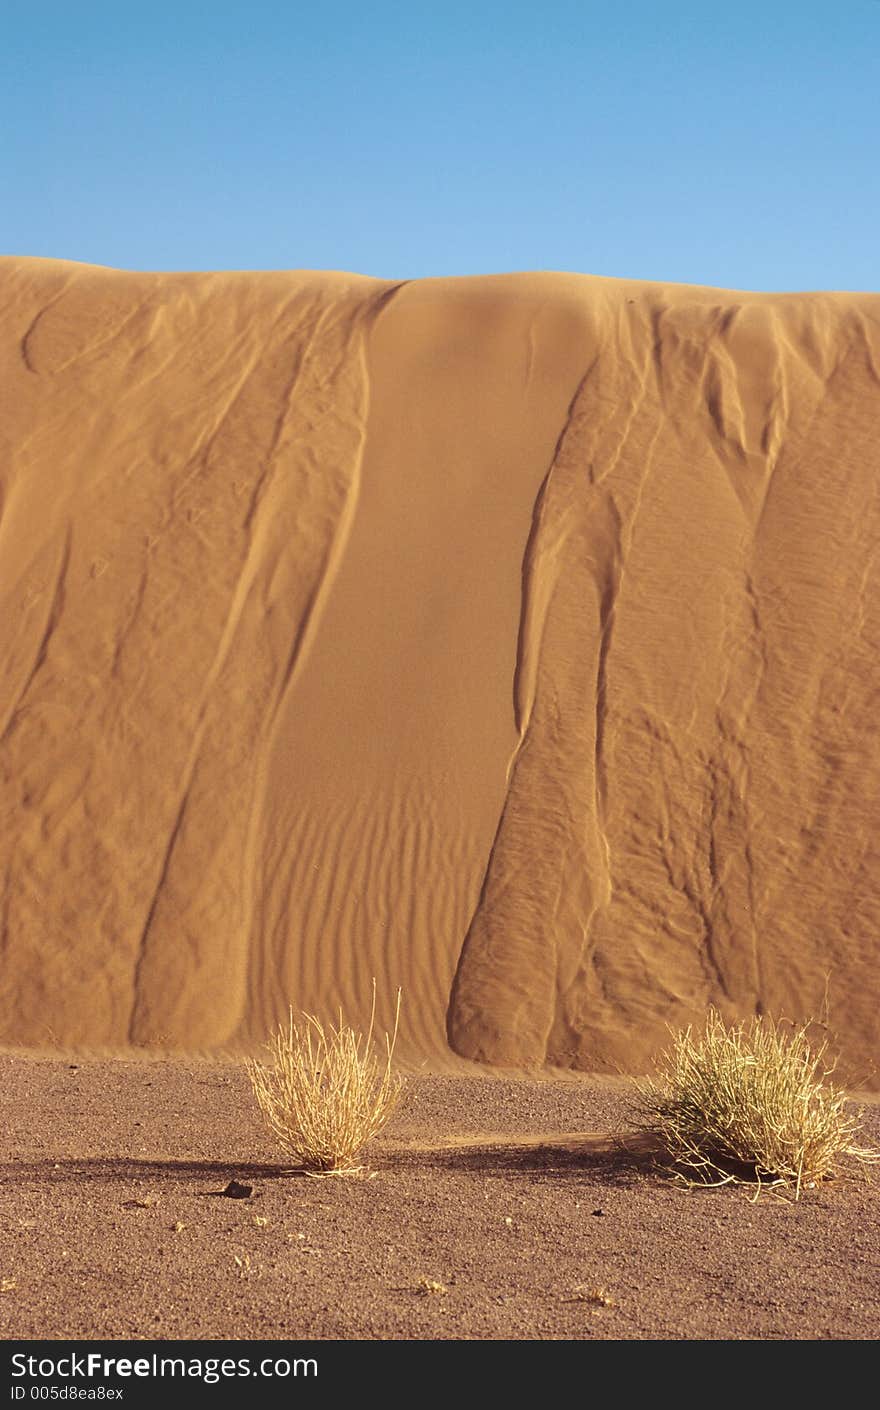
(498, 1210)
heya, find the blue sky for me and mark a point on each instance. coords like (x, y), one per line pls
(735, 145)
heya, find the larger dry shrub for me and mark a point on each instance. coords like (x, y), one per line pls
(325, 1092)
(750, 1102)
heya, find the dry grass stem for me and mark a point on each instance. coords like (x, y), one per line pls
(596, 1297)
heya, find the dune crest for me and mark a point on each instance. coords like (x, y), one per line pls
(511, 639)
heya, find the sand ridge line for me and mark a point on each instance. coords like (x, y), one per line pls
(591, 1143)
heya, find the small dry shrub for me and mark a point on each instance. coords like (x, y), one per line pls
(325, 1092)
(751, 1102)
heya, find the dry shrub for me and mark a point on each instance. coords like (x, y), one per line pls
(749, 1103)
(326, 1092)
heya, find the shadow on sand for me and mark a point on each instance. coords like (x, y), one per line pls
(602, 1157)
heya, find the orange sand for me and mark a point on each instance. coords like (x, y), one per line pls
(513, 640)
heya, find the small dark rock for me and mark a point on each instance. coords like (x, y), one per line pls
(236, 1191)
(599, 1213)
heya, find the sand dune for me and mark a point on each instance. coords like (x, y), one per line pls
(513, 640)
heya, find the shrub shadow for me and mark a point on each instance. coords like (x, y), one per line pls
(110, 1168)
(595, 1161)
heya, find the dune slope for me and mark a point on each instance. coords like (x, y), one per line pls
(513, 640)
